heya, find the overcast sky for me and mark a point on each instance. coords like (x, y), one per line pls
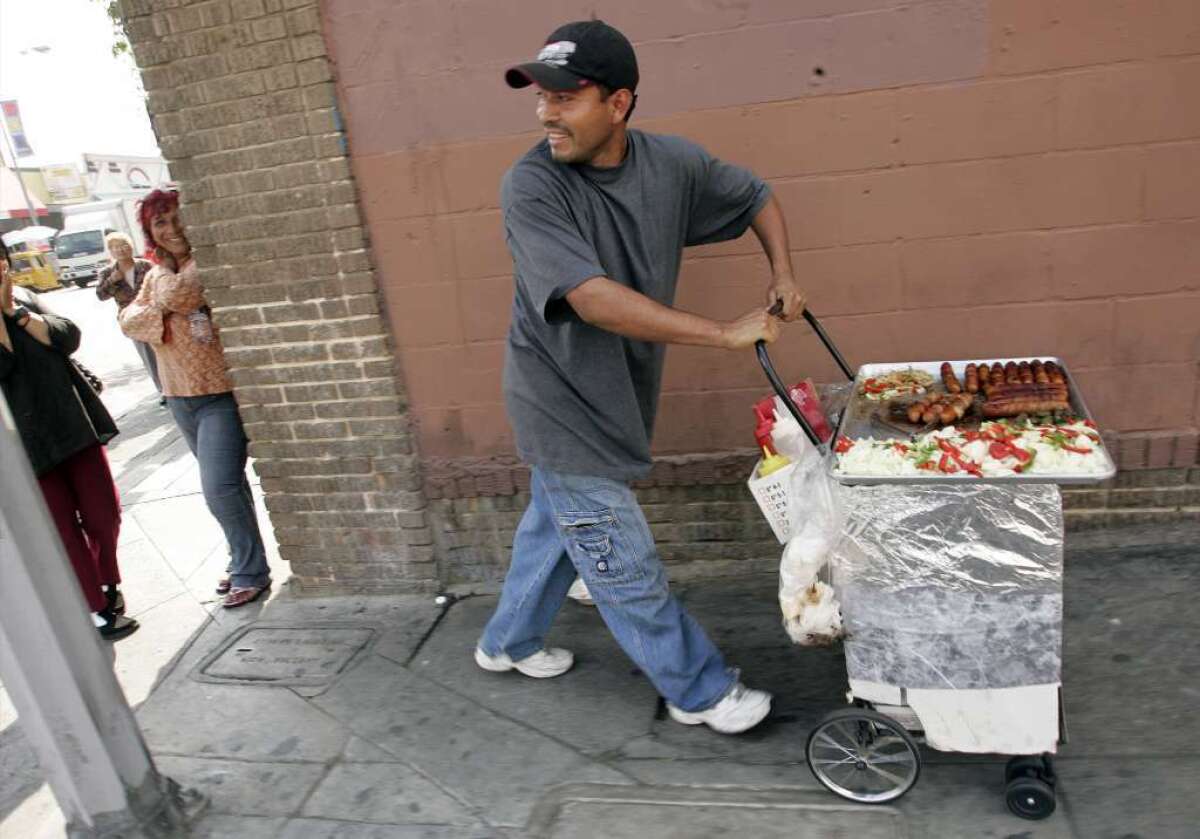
(75, 97)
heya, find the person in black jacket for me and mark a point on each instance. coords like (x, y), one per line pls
(64, 426)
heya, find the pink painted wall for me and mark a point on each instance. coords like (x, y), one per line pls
(962, 178)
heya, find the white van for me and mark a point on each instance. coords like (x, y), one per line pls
(81, 254)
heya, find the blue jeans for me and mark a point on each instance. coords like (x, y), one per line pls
(595, 527)
(150, 362)
(212, 428)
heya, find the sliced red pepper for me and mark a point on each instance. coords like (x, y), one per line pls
(998, 433)
(1002, 449)
(955, 454)
(900, 447)
(1076, 449)
(946, 464)
(972, 436)
(843, 445)
(999, 450)
(1089, 423)
(928, 465)
(948, 447)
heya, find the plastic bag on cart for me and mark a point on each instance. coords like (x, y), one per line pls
(812, 615)
(953, 587)
(834, 399)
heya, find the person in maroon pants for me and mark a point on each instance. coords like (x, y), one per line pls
(64, 426)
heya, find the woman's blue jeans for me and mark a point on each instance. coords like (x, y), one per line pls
(594, 526)
(213, 430)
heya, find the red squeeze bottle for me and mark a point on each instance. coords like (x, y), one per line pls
(762, 436)
(764, 409)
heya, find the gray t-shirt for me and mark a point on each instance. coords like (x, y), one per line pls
(582, 399)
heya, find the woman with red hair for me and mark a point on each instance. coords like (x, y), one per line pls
(171, 314)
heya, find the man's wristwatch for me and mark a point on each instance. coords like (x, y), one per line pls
(21, 315)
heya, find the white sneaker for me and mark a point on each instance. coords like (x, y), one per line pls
(544, 664)
(580, 594)
(740, 710)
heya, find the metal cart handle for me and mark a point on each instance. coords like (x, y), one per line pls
(764, 359)
(828, 342)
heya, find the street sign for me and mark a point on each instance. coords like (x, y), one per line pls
(16, 131)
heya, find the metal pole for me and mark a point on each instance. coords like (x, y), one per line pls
(59, 674)
(16, 171)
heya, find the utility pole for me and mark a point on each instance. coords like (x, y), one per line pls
(59, 675)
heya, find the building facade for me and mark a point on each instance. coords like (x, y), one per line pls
(962, 178)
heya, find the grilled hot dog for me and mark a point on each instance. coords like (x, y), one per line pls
(1017, 406)
(971, 376)
(949, 379)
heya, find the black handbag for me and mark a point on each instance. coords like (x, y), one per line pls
(91, 378)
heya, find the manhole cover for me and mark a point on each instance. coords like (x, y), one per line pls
(308, 655)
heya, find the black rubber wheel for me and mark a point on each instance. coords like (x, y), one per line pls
(1024, 766)
(863, 756)
(82, 283)
(1030, 798)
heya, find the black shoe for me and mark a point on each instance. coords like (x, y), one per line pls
(117, 627)
(162, 401)
(115, 601)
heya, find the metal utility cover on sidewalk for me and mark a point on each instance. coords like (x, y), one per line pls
(298, 656)
(586, 810)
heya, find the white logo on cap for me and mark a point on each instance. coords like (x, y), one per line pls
(557, 53)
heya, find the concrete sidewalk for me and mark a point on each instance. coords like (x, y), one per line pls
(366, 717)
(406, 737)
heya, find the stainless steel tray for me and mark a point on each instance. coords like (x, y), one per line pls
(857, 422)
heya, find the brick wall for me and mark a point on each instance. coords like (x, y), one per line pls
(242, 100)
(962, 178)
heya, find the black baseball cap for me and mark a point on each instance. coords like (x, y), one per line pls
(576, 54)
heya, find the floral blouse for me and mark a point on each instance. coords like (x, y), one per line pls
(171, 314)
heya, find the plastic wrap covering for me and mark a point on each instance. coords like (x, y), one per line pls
(834, 399)
(952, 587)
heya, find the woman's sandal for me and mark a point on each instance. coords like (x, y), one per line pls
(223, 585)
(242, 596)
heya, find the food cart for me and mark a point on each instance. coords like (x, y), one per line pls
(949, 577)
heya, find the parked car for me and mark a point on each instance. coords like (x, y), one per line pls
(33, 270)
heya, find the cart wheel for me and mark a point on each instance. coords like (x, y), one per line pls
(1029, 766)
(1030, 798)
(863, 756)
